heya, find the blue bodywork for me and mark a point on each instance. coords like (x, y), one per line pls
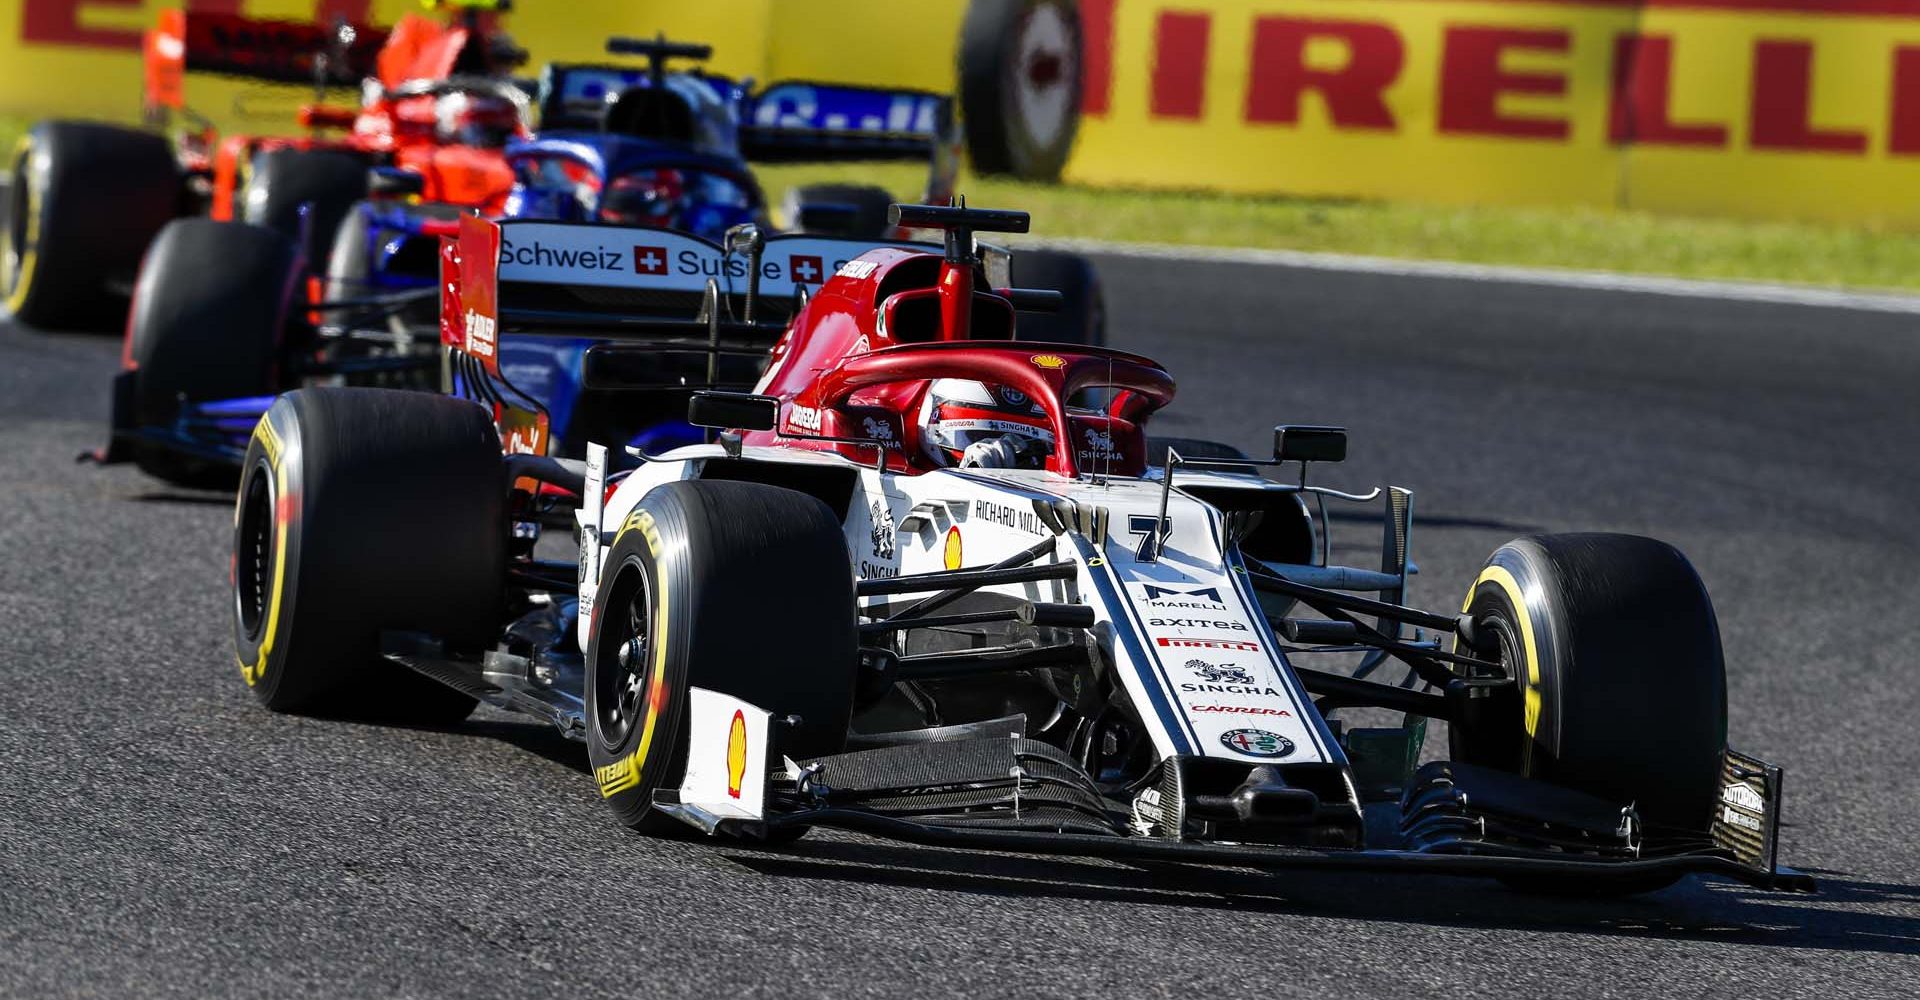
(694, 179)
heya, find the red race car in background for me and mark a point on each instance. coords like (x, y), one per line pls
(436, 109)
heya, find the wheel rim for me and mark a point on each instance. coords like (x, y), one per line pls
(253, 558)
(626, 650)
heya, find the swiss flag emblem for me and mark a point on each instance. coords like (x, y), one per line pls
(649, 260)
(806, 270)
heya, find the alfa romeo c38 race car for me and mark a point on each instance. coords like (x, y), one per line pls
(1094, 647)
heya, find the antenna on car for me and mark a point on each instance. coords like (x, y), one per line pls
(747, 236)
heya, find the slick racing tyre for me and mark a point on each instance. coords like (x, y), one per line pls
(208, 315)
(1020, 85)
(740, 588)
(361, 511)
(865, 205)
(1623, 687)
(85, 201)
(1082, 318)
(282, 180)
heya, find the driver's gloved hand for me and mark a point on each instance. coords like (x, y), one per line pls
(993, 453)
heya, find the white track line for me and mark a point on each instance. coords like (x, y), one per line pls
(1603, 281)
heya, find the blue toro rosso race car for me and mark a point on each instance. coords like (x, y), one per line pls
(208, 348)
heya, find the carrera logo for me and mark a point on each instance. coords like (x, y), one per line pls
(1234, 644)
(649, 260)
(806, 270)
(1242, 710)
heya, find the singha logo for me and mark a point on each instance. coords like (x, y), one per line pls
(1216, 674)
(882, 530)
(878, 430)
(1100, 441)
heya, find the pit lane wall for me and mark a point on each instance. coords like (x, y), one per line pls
(1764, 108)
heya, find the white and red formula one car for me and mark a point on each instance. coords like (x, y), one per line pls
(1051, 635)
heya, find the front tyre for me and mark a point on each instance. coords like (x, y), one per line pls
(740, 588)
(1622, 682)
(360, 511)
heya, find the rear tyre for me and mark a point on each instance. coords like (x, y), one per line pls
(736, 587)
(1082, 318)
(869, 205)
(282, 180)
(1623, 682)
(363, 510)
(86, 200)
(209, 311)
(1020, 86)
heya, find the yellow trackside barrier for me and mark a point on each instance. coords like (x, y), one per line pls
(1785, 108)
(1769, 108)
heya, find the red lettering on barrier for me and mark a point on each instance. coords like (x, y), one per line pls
(1471, 82)
(1180, 64)
(1354, 93)
(1096, 56)
(1903, 139)
(57, 22)
(1783, 102)
(1642, 90)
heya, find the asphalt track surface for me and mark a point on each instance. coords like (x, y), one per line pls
(162, 835)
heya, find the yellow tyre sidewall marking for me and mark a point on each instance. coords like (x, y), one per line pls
(624, 774)
(263, 432)
(23, 276)
(1500, 577)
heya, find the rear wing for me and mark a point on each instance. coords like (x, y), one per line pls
(270, 51)
(662, 303)
(785, 122)
(800, 121)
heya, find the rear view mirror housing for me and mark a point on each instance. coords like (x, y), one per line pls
(1304, 443)
(743, 410)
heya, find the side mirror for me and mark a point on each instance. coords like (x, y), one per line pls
(1034, 300)
(393, 182)
(744, 410)
(1301, 443)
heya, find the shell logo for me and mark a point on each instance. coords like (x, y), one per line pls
(736, 753)
(1048, 361)
(953, 548)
